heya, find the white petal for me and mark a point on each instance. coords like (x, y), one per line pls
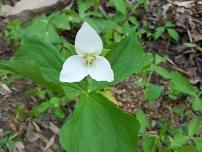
(101, 70)
(87, 40)
(73, 70)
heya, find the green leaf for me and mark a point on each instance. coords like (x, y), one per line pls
(73, 90)
(120, 5)
(166, 150)
(106, 24)
(194, 126)
(198, 142)
(53, 104)
(143, 120)
(153, 91)
(181, 84)
(14, 30)
(58, 113)
(149, 143)
(179, 140)
(43, 28)
(158, 32)
(37, 111)
(42, 53)
(187, 148)
(73, 16)
(126, 57)
(169, 24)
(98, 126)
(40, 61)
(31, 71)
(84, 5)
(60, 20)
(159, 59)
(197, 104)
(161, 71)
(173, 34)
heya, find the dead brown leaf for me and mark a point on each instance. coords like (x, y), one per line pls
(54, 128)
(49, 143)
(4, 89)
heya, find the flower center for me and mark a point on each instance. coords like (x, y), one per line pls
(89, 59)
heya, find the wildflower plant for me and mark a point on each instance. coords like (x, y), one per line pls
(93, 110)
(96, 123)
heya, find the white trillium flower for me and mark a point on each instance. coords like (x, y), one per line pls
(88, 45)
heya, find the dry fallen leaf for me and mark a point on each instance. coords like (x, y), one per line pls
(49, 143)
(36, 127)
(54, 128)
(30, 132)
(20, 147)
(25, 5)
(40, 136)
(1, 132)
(13, 127)
(109, 95)
(4, 89)
(186, 4)
(196, 36)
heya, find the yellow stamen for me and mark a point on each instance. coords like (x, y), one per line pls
(89, 58)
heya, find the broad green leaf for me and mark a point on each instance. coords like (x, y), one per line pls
(179, 140)
(197, 104)
(60, 20)
(42, 53)
(173, 34)
(97, 125)
(31, 71)
(73, 16)
(187, 148)
(158, 32)
(153, 91)
(198, 142)
(166, 150)
(143, 120)
(149, 143)
(106, 24)
(126, 57)
(40, 61)
(73, 90)
(120, 5)
(181, 84)
(194, 126)
(161, 71)
(43, 28)
(159, 59)
(84, 5)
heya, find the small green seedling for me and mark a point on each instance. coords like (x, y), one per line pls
(8, 141)
(170, 28)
